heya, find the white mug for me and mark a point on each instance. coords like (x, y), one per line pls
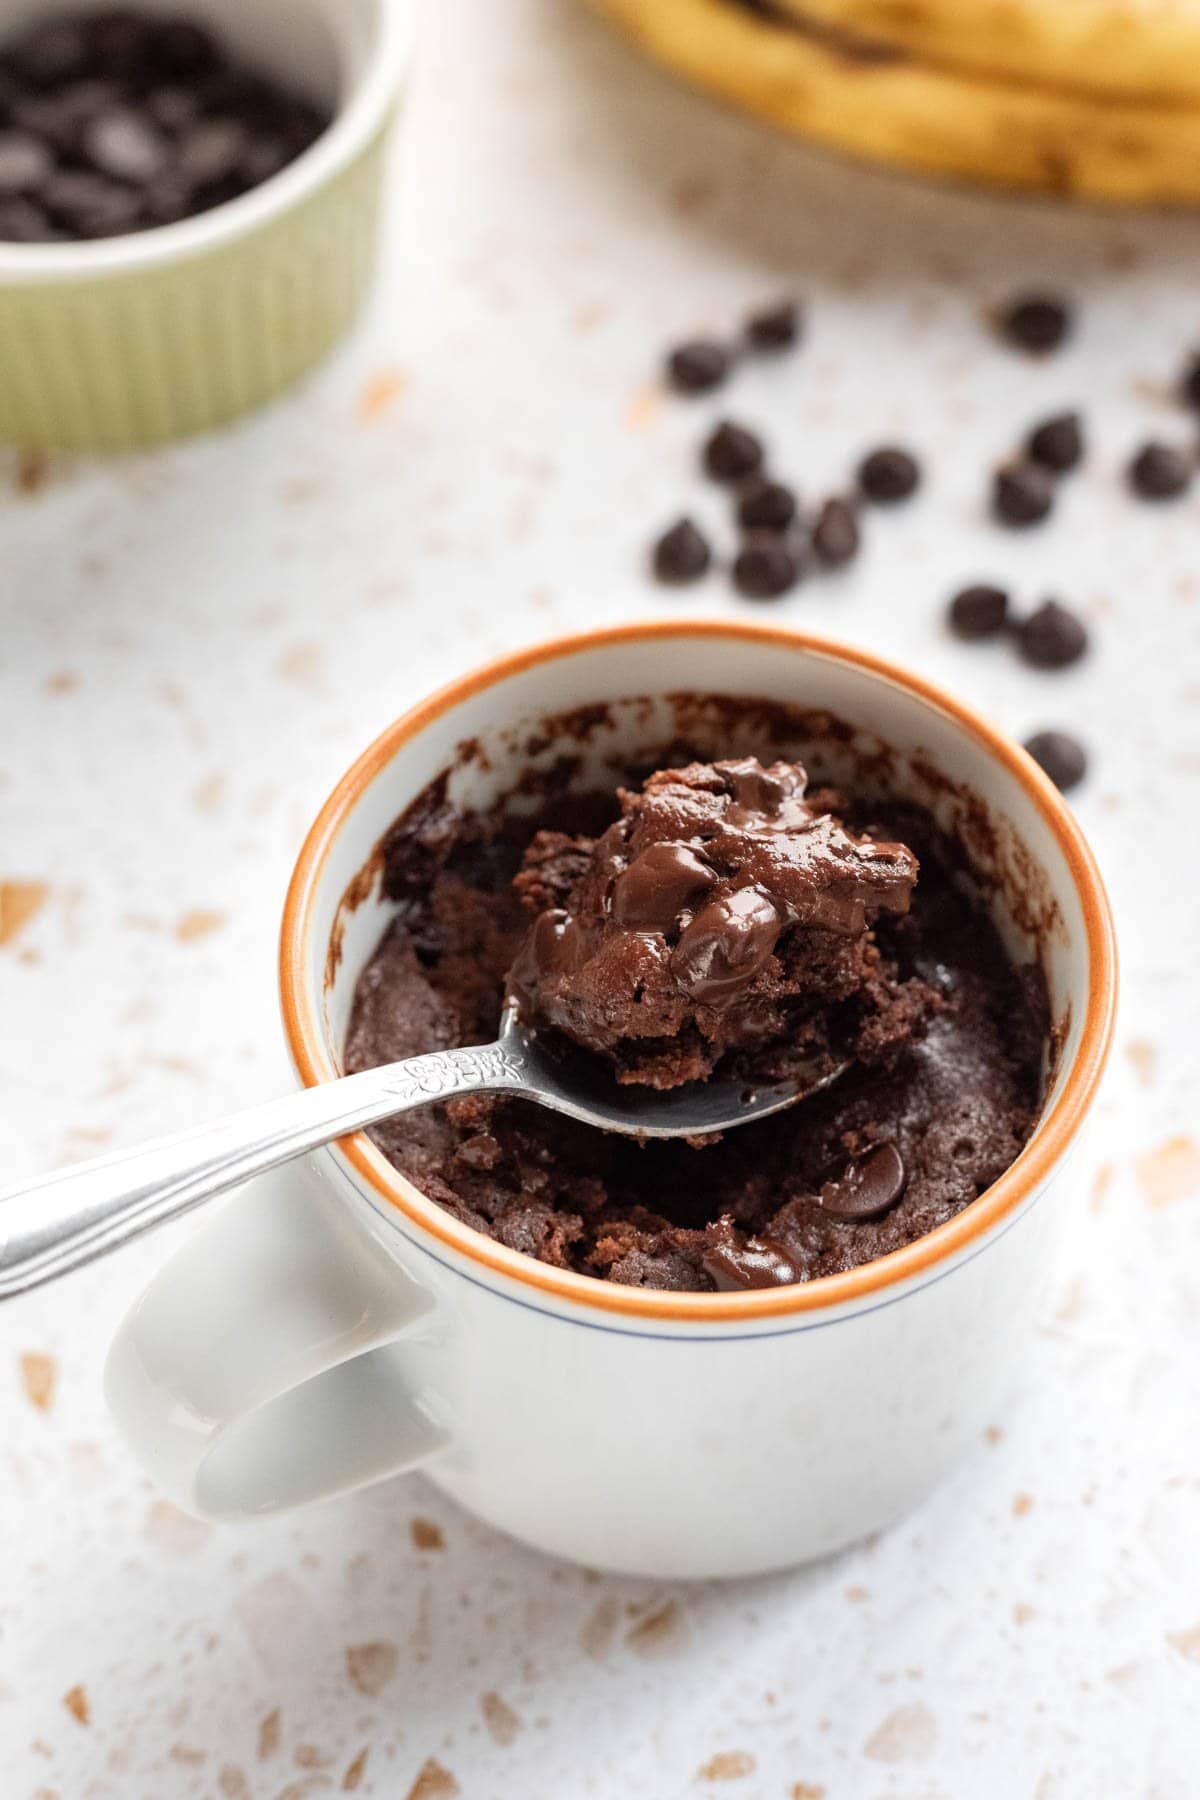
(331, 1326)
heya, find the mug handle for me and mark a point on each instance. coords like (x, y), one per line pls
(261, 1369)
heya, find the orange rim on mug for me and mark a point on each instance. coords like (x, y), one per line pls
(1045, 1148)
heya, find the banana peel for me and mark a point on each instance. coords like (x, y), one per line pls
(875, 101)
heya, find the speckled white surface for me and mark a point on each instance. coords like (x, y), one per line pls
(193, 647)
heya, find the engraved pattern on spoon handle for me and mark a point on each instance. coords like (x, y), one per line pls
(64, 1220)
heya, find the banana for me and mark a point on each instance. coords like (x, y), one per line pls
(1143, 50)
(918, 115)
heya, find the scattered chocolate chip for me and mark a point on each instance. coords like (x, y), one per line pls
(172, 107)
(90, 206)
(1052, 637)
(889, 475)
(1057, 443)
(698, 367)
(768, 505)
(123, 144)
(1160, 472)
(1189, 382)
(24, 163)
(211, 152)
(681, 554)
(835, 536)
(978, 612)
(1036, 322)
(1063, 757)
(22, 221)
(731, 452)
(870, 1185)
(775, 328)
(766, 566)
(1022, 493)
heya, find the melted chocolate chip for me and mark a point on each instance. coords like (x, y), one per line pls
(743, 1263)
(725, 946)
(658, 885)
(870, 1185)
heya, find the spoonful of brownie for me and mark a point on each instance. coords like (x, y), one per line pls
(706, 962)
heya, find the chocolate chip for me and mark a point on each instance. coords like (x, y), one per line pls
(183, 49)
(172, 107)
(775, 328)
(870, 1185)
(768, 505)
(1036, 322)
(889, 475)
(118, 40)
(24, 163)
(738, 1263)
(90, 206)
(1057, 443)
(1160, 472)
(681, 554)
(698, 367)
(211, 152)
(1063, 757)
(1189, 382)
(978, 612)
(835, 536)
(1052, 637)
(731, 452)
(59, 118)
(766, 566)
(50, 53)
(1022, 493)
(125, 145)
(22, 221)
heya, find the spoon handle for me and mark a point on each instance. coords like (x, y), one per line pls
(60, 1222)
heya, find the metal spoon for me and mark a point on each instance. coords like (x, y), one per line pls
(65, 1220)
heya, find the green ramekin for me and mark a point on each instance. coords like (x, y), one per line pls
(130, 341)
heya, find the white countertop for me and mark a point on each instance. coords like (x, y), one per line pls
(194, 646)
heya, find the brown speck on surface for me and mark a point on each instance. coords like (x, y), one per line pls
(1186, 1642)
(690, 192)
(1072, 1304)
(352, 1779)
(311, 1756)
(1023, 1613)
(426, 1535)
(807, 1790)
(33, 472)
(77, 1704)
(502, 1722)
(208, 794)
(659, 1632)
(906, 1735)
(589, 316)
(188, 1754)
(232, 1783)
(201, 922)
(39, 1378)
(64, 681)
(176, 1532)
(994, 1434)
(371, 1666)
(644, 406)
(1170, 1172)
(598, 1630)
(20, 902)
(269, 1731)
(727, 1765)
(381, 394)
(1022, 1504)
(301, 665)
(433, 1783)
(858, 1593)
(1101, 1183)
(1144, 1057)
